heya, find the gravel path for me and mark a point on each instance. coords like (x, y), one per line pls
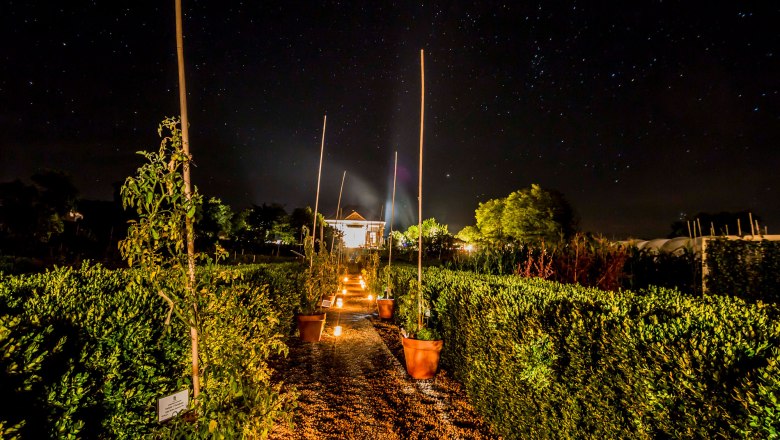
(355, 386)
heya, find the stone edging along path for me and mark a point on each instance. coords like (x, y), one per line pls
(355, 386)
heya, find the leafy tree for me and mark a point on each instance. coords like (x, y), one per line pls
(535, 215)
(469, 234)
(264, 219)
(436, 237)
(529, 215)
(214, 220)
(489, 220)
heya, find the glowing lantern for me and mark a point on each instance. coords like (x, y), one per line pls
(339, 302)
(370, 297)
(337, 331)
(346, 279)
(343, 291)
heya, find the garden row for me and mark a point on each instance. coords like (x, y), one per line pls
(85, 354)
(546, 360)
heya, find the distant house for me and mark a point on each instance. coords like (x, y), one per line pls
(359, 232)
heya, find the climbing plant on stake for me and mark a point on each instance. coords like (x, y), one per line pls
(156, 242)
(190, 232)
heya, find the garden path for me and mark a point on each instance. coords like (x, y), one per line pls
(355, 386)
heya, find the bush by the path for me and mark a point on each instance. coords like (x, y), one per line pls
(82, 355)
(545, 360)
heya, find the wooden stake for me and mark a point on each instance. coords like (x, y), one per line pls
(739, 227)
(698, 222)
(689, 229)
(317, 199)
(419, 196)
(712, 229)
(752, 229)
(392, 218)
(338, 207)
(190, 232)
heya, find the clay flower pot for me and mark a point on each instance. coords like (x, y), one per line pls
(385, 308)
(422, 357)
(310, 326)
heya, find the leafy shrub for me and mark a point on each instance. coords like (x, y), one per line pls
(87, 354)
(541, 359)
(745, 269)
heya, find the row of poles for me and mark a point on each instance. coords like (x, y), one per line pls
(695, 231)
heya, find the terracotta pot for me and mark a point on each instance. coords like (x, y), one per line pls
(310, 326)
(422, 357)
(385, 308)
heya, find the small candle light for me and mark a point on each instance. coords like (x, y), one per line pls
(370, 297)
(337, 331)
(339, 302)
(343, 291)
(346, 279)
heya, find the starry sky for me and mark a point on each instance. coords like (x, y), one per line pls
(638, 112)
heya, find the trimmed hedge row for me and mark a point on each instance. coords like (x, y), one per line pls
(82, 355)
(546, 360)
(745, 269)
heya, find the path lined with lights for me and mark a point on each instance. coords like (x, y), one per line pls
(355, 386)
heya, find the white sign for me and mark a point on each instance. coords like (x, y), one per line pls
(326, 303)
(169, 406)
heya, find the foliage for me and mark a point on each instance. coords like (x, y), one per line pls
(214, 221)
(320, 277)
(370, 272)
(646, 268)
(529, 215)
(35, 213)
(489, 217)
(541, 359)
(233, 382)
(84, 353)
(588, 260)
(745, 269)
(408, 316)
(240, 401)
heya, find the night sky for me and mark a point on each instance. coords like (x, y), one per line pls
(638, 112)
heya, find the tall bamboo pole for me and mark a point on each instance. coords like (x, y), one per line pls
(419, 196)
(338, 207)
(185, 141)
(392, 218)
(317, 199)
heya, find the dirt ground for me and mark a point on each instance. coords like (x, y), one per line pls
(355, 386)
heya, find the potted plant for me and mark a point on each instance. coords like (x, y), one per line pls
(320, 281)
(386, 303)
(421, 340)
(422, 345)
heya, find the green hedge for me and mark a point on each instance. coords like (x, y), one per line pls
(546, 360)
(82, 355)
(745, 269)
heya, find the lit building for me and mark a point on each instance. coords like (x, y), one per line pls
(359, 232)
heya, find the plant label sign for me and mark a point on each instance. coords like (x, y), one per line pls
(326, 303)
(169, 406)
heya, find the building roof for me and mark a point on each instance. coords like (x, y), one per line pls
(355, 216)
